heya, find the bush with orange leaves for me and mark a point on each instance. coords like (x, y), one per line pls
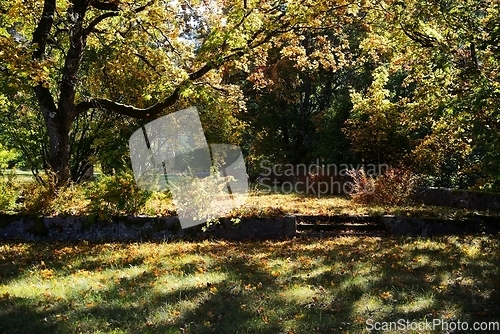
(394, 187)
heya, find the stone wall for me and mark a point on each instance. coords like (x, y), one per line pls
(35, 228)
(72, 228)
(456, 198)
(435, 226)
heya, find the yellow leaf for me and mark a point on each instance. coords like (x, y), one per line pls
(47, 273)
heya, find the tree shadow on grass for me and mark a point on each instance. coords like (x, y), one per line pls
(459, 287)
(19, 315)
(303, 285)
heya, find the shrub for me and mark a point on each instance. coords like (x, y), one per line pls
(159, 204)
(36, 197)
(70, 200)
(202, 198)
(103, 198)
(7, 157)
(8, 192)
(117, 194)
(395, 187)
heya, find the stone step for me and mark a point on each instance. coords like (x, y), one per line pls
(336, 219)
(341, 227)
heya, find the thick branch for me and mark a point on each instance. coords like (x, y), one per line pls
(123, 109)
(150, 112)
(140, 9)
(113, 11)
(473, 55)
(40, 37)
(416, 36)
(73, 59)
(104, 5)
(41, 33)
(98, 20)
(45, 100)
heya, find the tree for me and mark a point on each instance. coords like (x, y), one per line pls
(133, 58)
(374, 128)
(446, 54)
(297, 92)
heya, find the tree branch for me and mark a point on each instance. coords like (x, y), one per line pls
(416, 36)
(98, 20)
(147, 62)
(40, 38)
(73, 58)
(150, 112)
(45, 100)
(204, 83)
(140, 9)
(113, 11)
(473, 54)
(154, 110)
(104, 5)
(41, 33)
(123, 109)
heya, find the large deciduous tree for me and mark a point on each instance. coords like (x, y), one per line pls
(134, 58)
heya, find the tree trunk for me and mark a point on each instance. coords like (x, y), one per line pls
(58, 125)
(58, 131)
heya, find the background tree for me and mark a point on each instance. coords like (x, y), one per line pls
(374, 128)
(443, 78)
(298, 94)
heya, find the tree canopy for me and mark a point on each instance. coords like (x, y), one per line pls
(410, 83)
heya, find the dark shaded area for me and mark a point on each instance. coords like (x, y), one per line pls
(35, 228)
(131, 228)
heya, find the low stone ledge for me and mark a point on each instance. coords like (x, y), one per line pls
(256, 228)
(133, 228)
(340, 218)
(457, 198)
(413, 226)
(129, 228)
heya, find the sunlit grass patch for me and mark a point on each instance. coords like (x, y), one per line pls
(301, 285)
(271, 204)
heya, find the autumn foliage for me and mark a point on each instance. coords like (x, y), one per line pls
(385, 82)
(394, 187)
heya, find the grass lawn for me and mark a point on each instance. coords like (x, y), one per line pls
(22, 176)
(302, 285)
(78, 200)
(262, 204)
